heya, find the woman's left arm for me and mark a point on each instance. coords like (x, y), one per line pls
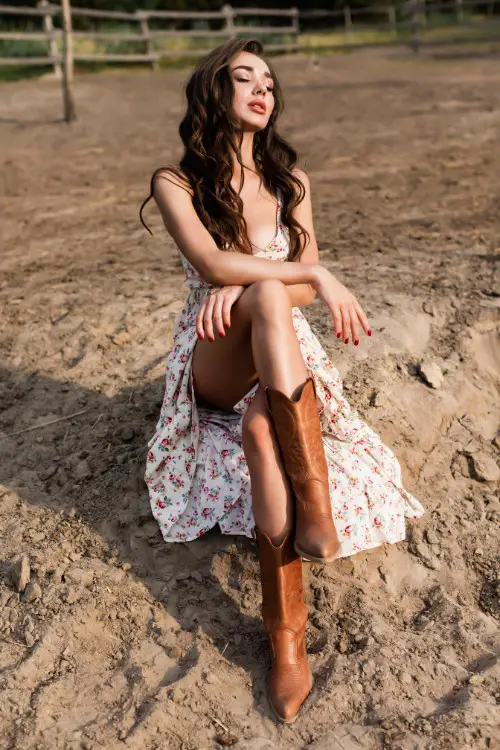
(303, 294)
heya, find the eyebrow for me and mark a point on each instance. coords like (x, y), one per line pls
(248, 67)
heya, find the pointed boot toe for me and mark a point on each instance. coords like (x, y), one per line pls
(318, 541)
(288, 693)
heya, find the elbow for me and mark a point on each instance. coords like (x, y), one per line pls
(208, 273)
(212, 274)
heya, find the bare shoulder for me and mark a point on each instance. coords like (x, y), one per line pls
(170, 181)
(302, 176)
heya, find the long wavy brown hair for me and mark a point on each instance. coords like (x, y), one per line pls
(211, 136)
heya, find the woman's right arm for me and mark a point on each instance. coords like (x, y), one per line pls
(222, 268)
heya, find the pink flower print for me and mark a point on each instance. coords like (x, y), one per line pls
(191, 450)
(378, 521)
(348, 531)
(358, 510)
(225, 453)
(161, 504)
(151, 457)
(206, 512)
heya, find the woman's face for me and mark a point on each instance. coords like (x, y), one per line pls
(253, 99)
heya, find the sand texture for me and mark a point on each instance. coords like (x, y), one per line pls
(111, 638)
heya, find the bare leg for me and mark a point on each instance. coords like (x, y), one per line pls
(261, 345)
(271, 494)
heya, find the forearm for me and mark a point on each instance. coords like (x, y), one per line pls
(223, 268)
(301, 294)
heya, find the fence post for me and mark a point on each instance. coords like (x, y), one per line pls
(143, 20)
(459, 10)
(415, 29)
(296, 28)
(48, 26)
(67, 76)
(348, 23)
(422, 16)
(392, 19)
(228, 13)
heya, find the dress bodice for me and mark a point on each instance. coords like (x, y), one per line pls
(276, 249)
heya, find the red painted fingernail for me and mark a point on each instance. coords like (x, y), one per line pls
(222, 335)
(346, 341)
(201, 336)
(369, 333)
(211, 338)
(356, 342)
(339, 335)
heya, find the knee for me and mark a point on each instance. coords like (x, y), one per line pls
(269, 295)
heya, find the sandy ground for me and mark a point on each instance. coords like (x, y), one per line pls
(120, 639)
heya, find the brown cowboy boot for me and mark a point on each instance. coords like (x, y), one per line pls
(285, 618)
(298, 429)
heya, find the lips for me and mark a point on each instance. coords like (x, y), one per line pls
(258, 106)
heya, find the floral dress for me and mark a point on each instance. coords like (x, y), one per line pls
(196, 472)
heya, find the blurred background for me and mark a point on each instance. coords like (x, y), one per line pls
(160, 33)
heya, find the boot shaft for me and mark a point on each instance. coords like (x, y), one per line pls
(282, 585)
(299, 433)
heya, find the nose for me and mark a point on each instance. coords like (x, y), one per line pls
(260, 87)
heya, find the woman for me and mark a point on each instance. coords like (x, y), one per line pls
(254, 433)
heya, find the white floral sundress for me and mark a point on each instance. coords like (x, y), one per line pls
(196, 472)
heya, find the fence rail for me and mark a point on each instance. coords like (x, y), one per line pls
(145, 35)
(404, 23)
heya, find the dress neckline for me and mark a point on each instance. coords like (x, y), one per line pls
(278, 225)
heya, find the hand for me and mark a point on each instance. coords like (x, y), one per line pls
(345, 308)
(215, 311)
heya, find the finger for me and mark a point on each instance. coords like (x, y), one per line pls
(217, 315)
(362, 318)
(226, 311)
(207, 317)
(354, 325)
(346, 323)
(337, 319)
(199, 319)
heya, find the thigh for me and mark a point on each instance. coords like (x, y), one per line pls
(223, 370)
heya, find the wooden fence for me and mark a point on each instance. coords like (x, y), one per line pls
(145, 35)
(405, 24)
